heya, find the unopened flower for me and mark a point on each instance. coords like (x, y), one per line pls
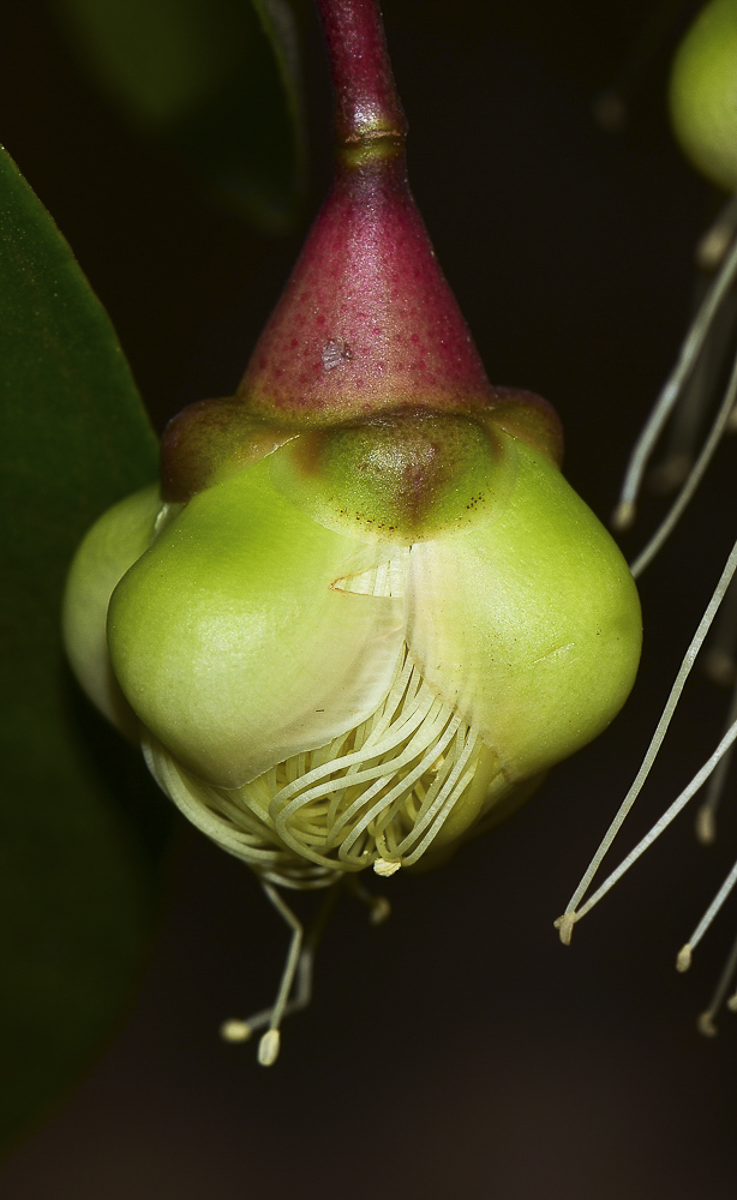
(350, 652)
(365, 614)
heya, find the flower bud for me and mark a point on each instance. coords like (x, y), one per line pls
(366, 614)
(355, 648)
(703, 93)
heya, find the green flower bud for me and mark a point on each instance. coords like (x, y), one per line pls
(355, 649)
(703, 93)
(365, 614)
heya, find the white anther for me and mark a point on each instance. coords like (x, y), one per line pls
(235, 1030)
(683, 961)
(564, 925)
(268, 1048)
(386, 867)
(705, 1024)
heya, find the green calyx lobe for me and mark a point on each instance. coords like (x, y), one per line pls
(210, 441)
(402, 475)
(399, 473)
(405, 478)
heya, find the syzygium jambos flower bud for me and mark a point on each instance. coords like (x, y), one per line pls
(366, 613)
(353, 649)
(703, 93)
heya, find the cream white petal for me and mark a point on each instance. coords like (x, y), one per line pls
(528, 625)
(112, 545)
(235, 640)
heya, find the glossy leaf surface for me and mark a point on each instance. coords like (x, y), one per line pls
(82, 827)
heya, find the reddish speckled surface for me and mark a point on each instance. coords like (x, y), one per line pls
(368, 292)
(363, 82)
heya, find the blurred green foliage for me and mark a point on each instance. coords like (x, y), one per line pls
(78, 871)
(218, 81)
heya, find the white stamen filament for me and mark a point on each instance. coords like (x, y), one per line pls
(660, 825)
(295, 986)
(625, 511)
(691, 385)
(379, 790)
(706, 816)
(705, 1021)
(694, 479)
(378, 794)
(715, 905)
(573, 911)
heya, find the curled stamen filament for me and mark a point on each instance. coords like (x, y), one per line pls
(378, 794)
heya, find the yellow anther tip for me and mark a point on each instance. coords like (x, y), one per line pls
(235, 1030)
(683, 961)
(713, 246)
(385, 867)
(564, 925)
(705, 826)
(624, 514)
(268, 1047)
(720, 667)
(705, 1024)
(380, 910)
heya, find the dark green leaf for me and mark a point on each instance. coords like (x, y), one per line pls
(77, 869)
(218, 80)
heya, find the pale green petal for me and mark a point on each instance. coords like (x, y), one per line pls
(112, 545)
(703, 93)
(235, 640)
(530, 625)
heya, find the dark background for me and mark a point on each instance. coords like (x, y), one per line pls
(458, 1049)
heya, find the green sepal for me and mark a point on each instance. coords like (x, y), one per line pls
(403, 478)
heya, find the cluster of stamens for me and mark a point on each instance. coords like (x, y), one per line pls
(685, 400)
(377, 795)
